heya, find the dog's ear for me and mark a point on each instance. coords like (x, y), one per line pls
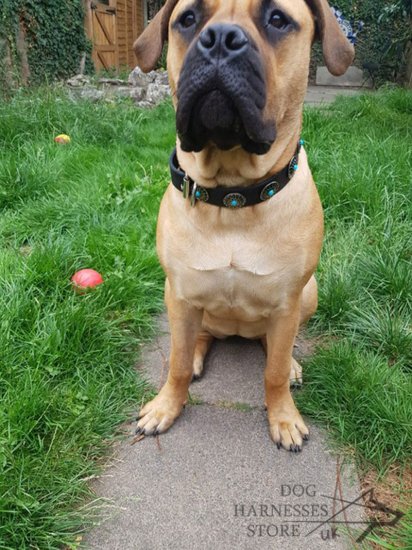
(148, 46)
(338, 52)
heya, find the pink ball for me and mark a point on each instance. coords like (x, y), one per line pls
(86, 278)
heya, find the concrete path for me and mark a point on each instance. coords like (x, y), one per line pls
(215, 480)
(318, 96)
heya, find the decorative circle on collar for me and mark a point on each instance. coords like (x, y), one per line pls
(234, 200)
(293, 166)
(201, 194)
(269, 191)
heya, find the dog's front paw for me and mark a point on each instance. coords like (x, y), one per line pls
(159, 414)
(287, 428)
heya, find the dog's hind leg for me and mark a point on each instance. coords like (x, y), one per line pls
(264, 343)
(295, 377)
(203, 343)
(308, 307)
(309, 302)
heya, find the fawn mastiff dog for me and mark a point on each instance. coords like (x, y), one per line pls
(240, 226)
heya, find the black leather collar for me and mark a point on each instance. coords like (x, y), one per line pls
(233, 197)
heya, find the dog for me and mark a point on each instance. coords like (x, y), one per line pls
(240, 227)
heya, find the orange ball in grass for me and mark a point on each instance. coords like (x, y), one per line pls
(62, 138)
(86, 279)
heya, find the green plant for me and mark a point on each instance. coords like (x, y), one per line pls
(394, 12)
(45, 39)
(378, 46)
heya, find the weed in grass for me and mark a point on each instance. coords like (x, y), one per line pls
(384, 329)
(394, 539)
(394, 491)
(386, 273)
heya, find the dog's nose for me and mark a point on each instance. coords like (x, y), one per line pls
(222, 40)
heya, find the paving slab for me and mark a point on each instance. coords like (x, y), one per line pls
(233, 370)
(216, 480)
(324, 95)
(353, 77)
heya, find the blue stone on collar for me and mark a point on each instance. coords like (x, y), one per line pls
(201, 194)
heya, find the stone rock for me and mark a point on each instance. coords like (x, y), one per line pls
(118, 91)
(91, 94)
(112, 81)
(162, 77)
(147, 90)
(137, 94)
(78, 81)
(157, 92)
(353, 77)
(138, 78)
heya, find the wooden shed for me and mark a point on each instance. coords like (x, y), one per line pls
(113, 26)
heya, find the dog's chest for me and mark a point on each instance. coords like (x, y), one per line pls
(237, 275)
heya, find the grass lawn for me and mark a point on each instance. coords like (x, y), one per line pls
(66, 362)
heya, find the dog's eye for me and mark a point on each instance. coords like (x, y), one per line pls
(278, 20)
(187, 19)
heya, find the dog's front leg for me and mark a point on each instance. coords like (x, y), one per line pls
(160, 413)
(286, 425)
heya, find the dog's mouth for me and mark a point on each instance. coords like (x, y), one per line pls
(223, 103)
(215, 116)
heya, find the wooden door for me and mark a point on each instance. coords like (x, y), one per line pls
(130, 23)
(103, 34)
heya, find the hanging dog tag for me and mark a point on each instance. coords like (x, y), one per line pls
(193, 195)
(185, 187)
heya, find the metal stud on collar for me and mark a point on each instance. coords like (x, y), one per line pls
(201, 194)
(234, 200)
(293, 166)
(269, 191)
